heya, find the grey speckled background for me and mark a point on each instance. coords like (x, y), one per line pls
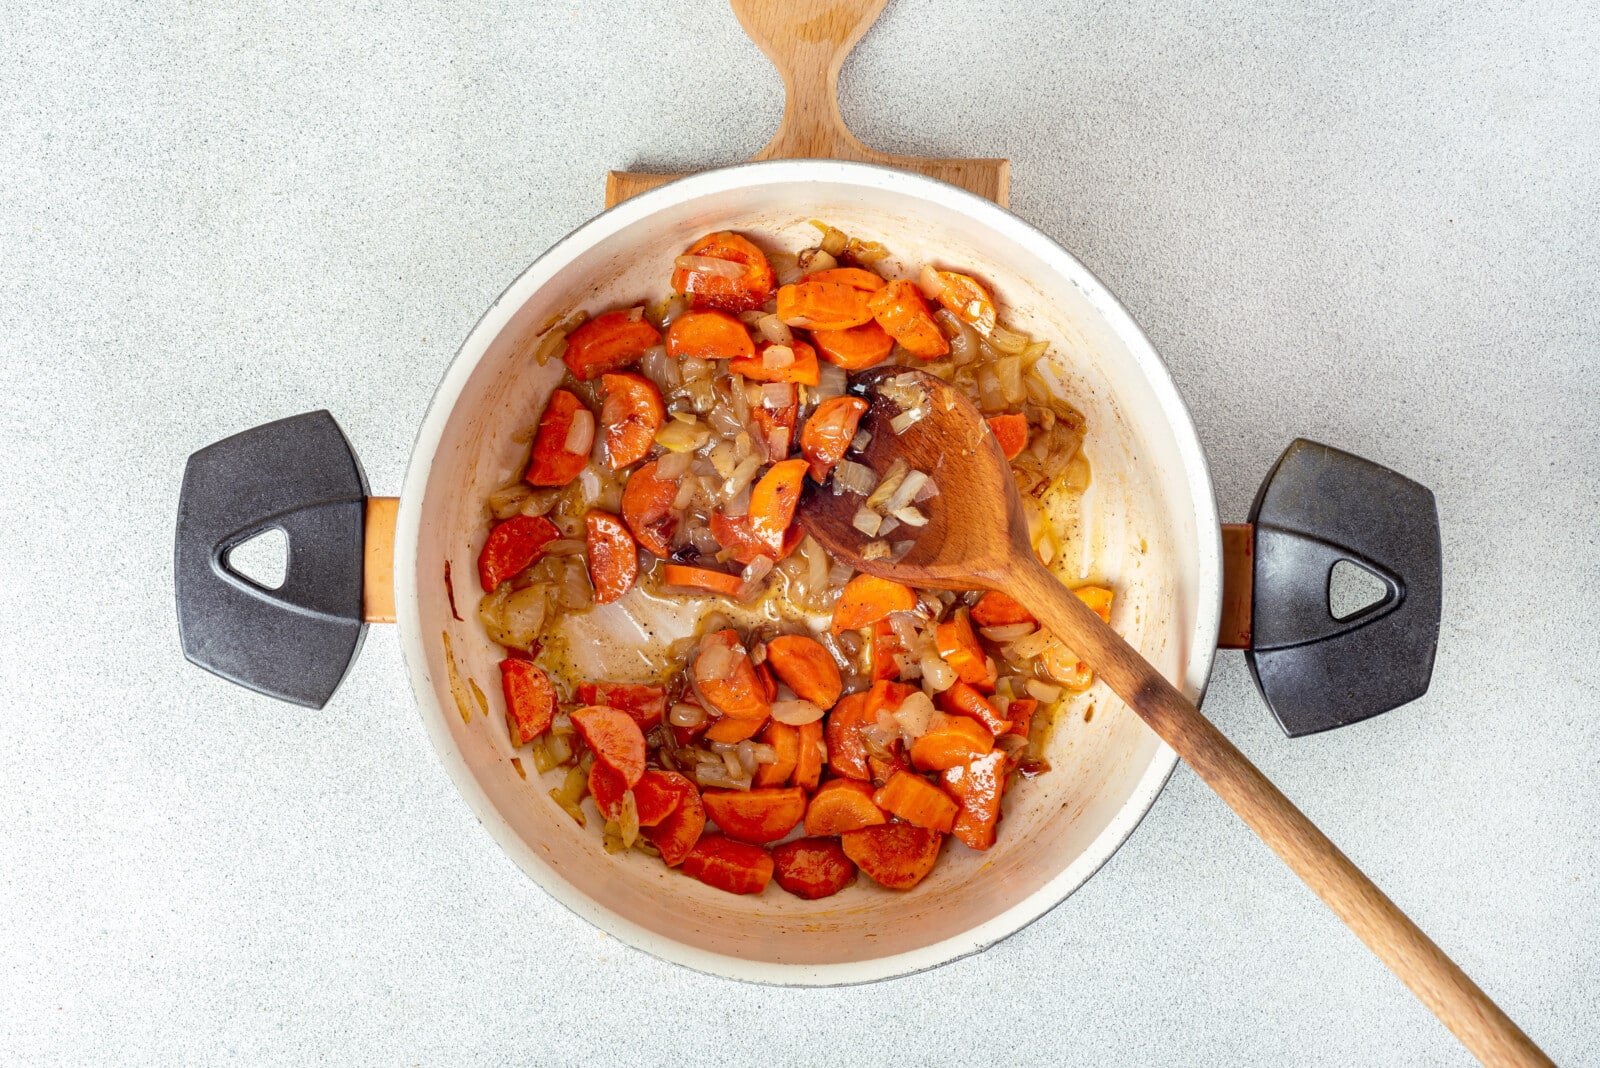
(1372, 227)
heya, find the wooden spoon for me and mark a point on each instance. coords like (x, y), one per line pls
(977, 538)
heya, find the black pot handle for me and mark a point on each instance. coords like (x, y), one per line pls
(1320, 506)
(300, 476)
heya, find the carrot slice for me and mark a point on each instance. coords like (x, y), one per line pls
(1011, 431)
(855, 348)
(899, 309)
(614, 738)
(1020, 713)
(726, 680)
(828, 433)
(843, 805)
(885, 647)
(776, 426)
(737, 867)
(854, 277)
(967, 300)
(757, 815)
(807, 668)
(613, 556)
(609, 342)
(1098, 598)
(712, 289)
(513, 545)
(686, 578)
(894, 855)
(647, 509)
(962, 699)
(785, 741)
(733, 533)
(530, 699)
(996, 609)
(866, 599)
(802, 369)
(709, 335)
(729, 730)
(977, 785)
(847, 745)
(676, 835)
(608, 788)
(812, 868)
(773, 501)
(631, 413)
(808, 761)
(916, 800)
(886, 696)
(1061, 663)
(646, 704)
(959, 646)
(551, 462)
(823, 305)
(659, 794)
(950, 740)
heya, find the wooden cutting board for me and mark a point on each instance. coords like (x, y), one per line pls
(808, 40)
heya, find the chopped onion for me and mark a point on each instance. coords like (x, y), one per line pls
(1009, 371)
(773, 330)
(564, 547)
(1008, 342)
(694, 368)
(906, 419)
(673, 464)
(1029, 646)
(832, 381)
(910, 516)
(682, 437)
(1010, 632)
(890, 523)
(929, 282)
(851, 477)
(754, 572)
(738, 505)
(508, 500)
(867, 521)
(990, 396)
(777, 394)
(891, 482)
(676, 306)
(862, 439)
(764, 753)
(899, 549)
(709, 265)
(683, 714)
(820, 259)
(876, 550)
(1043, 691)
(796, 713)
(906, 492)
(580, 434)
(937, 675)
(686, 489)
(777, 443)
(742, 475)
(914, 715)
(776, 357)
(927, 492)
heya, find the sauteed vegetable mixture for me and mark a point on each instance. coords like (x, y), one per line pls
(873, 721)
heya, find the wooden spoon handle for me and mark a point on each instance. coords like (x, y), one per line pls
(1443, 987)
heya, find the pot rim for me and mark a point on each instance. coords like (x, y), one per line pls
(441, 406)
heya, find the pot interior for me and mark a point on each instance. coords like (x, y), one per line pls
(1147, 526)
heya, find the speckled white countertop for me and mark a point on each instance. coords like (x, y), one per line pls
(1371, 227)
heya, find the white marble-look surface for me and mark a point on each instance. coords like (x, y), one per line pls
(1373, 225)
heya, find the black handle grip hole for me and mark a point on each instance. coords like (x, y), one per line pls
(1352, 590)
(262, 558)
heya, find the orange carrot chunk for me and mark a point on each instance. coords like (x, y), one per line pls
(996, 609)
(647, 509)
(609, 342)
(659, 794)
(1020, 713)
(561, 444)
(894, 855)
(737, 867)
(950, 740)
(763, 814)
(977, 785)
(812, 868)
(785, 741)
(614, 737)
(631, 413)
(854, 277)
(530, 699)
(885, 647)
(726, 680)
(613, 556)
(513, 545)
(808, 761)
(1011, 431)
(847, 743)
(709, 335)
(686, 578)
(823, 305)
(645, 703)
(734, 534)
(967, 300)
(1097, 598)
(801, 367)
(843, 805)
(773, 501)
(962, 699)
(916, 800)
(866, 599)
(729, 730)
(677, 834)
(900, 310)
(855, 348)
(608, 788)
(776, 427)
(959, 646)
(828, 433)
(806, 668)
(710, 286)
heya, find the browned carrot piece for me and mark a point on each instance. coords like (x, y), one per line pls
(609, 342)
(560, 452)
(645, 703)
(1063, 665)
(854, 349)
(894, 855)
(613, 556)
(967, 301)
(899, 309)
(513, 545)
(737, 867)
(1097, 598)
(729, 730)
(950, 740)
(614, 737)
(764, 814)
(996, 609)
(828, 433)
(854, 277)
(886, 696)
(677, 834)
(776, 426)
(885, 647)
(709, 335)
(709, 288)
(847, 745)
(866, 599)
(773, 500)
(1020, 714)
(823, 305)
(658, 794)
(812, 868)
(842, 805)
(685, 577)
(802, 368)
(785, 741)
(808, 761)
(959, 646)
(608, 788)
(806, 668)
(977, 785)
(631, 414)
(733, 533)
(726, 680)
(964, 700)
(1011, 431)
(647, 509)
(916, 800)
(530, 699)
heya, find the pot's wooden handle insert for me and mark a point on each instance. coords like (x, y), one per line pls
(377, 572)
(807, 41)
(1238, 584)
